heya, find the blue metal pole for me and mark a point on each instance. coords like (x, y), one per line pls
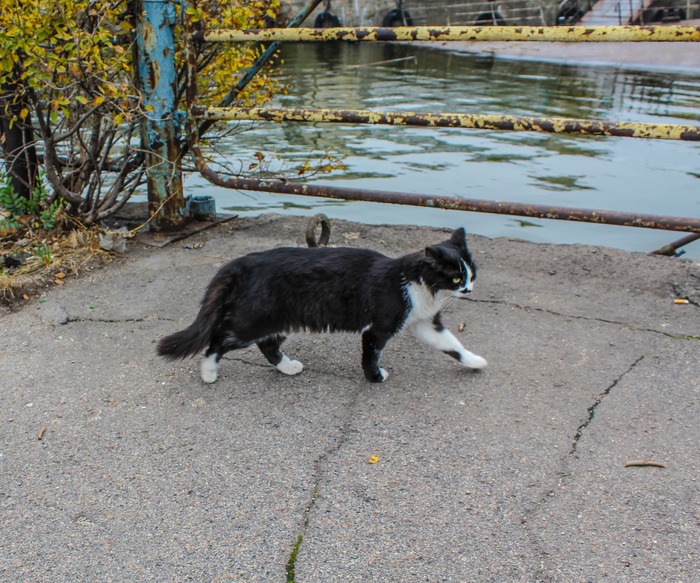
(157, 81)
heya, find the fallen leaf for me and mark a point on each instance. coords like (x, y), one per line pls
(60, 275)
(373, 460)
(59, 282)
(41, 433)
(25, 297)
(460, 328)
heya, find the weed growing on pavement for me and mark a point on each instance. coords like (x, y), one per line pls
(292, 560)
(44, 254)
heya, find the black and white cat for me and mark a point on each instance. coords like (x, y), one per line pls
(257, 298)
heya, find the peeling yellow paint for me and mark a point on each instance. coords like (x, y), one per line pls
(462, 33)
(555, 125)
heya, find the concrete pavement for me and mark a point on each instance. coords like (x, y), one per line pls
(515, 473)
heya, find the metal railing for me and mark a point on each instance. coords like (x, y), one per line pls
(552, 125)
(458, 33)
(207, 116)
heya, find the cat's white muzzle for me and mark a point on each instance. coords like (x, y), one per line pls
(467, 289)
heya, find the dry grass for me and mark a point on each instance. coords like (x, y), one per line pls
(48, 261)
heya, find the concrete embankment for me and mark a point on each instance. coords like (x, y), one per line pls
(647, 56)
(116, 465)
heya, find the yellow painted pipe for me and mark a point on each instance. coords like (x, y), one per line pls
(557, 125)
(461, 33)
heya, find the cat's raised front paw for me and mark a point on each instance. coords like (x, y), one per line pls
(474, 361)
(289, 367)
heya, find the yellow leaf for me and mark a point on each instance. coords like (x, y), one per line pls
(99, 100)
(373, 460)
(24, 113)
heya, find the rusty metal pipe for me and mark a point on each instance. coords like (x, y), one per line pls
(672, 248)
(460, 33)
(457, 120)
(448, 202)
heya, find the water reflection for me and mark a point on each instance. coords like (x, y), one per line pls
(647, 176)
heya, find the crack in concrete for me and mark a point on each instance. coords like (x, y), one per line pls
(318, 476)
(585, 318)
(594, 407)
(318, 464)
(563, 474)
(80, 320)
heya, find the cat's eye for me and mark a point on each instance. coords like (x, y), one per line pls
(456, 280)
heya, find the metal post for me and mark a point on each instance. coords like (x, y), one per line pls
(157, 81)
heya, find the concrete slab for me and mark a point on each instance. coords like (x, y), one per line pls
(647, 56)
(116, 465)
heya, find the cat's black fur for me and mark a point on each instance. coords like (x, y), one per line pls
(257, 298)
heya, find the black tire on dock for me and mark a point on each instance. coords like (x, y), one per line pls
(326, 20)
(397, 17)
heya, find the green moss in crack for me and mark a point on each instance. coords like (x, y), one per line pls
(293, 559)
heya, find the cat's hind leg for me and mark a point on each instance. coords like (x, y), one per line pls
(373, 343)
(270, 347)
(209, 366)
(436, 335)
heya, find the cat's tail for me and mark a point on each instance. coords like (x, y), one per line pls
(197, 336)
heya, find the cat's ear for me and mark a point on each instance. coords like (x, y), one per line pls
(459, 236)
(435, 252)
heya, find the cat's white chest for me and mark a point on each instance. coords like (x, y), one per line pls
(423, 304)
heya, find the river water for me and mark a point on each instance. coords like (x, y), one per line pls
(645, 176)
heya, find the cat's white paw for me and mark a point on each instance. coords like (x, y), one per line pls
(289, 367)
(473, 361)
(385, 375)
(209, 369)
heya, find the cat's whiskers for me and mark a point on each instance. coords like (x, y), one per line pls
(449, 303)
